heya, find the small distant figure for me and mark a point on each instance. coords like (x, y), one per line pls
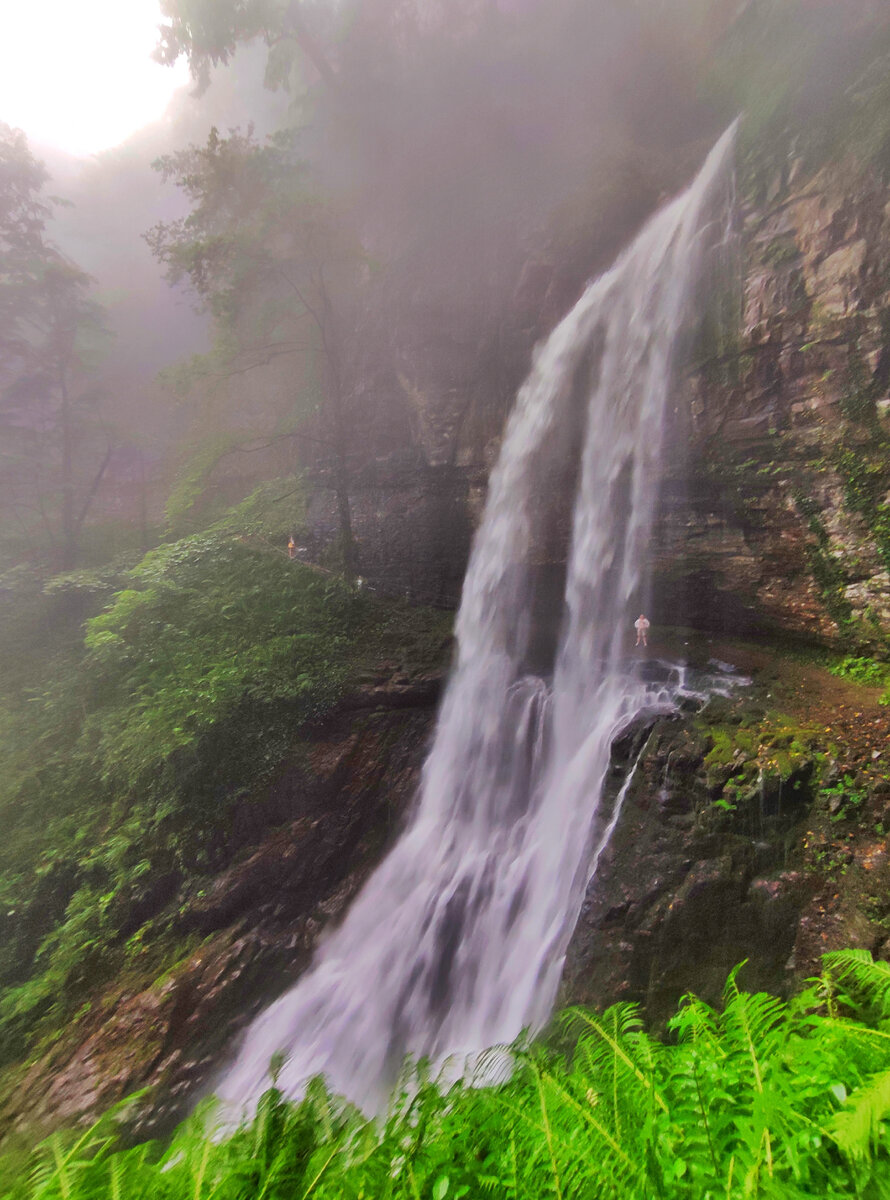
(291, 547)
(641, 625)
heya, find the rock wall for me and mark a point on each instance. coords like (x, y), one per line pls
(781, 522)
(774, 512)
(754, 830)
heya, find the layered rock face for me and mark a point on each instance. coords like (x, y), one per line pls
(781, 521)
(774, 509)
(683, 893)
(745, 836)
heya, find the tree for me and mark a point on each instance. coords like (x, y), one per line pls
(208, 32)
(278, 269)
(50, 329)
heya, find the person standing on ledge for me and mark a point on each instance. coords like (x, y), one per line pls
(641, 625)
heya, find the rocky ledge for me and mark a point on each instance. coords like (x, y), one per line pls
(753, 829)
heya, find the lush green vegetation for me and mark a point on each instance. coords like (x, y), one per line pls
(126, 742)
(761, 1098)
(865, 670)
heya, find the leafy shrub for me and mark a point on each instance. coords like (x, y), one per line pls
(862, 670)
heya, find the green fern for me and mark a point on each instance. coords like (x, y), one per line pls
(857, 1128)
(868, 980)
(768, 1099)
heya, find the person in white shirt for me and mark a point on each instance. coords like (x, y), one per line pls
(641, 625)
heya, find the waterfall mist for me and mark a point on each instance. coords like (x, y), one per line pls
(457, 941)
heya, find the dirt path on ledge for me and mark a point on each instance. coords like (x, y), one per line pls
(847, 714)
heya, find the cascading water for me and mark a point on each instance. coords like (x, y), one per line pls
(457, 941)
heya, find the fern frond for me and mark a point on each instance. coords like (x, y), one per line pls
(856, 1127)
(731, 988)
(751, 1020)
(694, 1021)
(626, 1017)
(548, 1134)
(869, 978)
(588, 1117)
(320, 1172)
(618, 1050)
(115, 1179)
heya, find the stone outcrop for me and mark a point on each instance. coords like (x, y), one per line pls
(739, 840)
(677, 900)
(786, 419)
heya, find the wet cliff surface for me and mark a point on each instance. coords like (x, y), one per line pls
(781, 521)
(754, 829)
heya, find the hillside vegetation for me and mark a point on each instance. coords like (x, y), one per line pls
(138, 708)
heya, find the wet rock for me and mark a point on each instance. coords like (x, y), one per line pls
(738, 545)
(676, 903)
(401, 691)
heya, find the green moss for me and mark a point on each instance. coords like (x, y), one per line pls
(826, 569)
(865, 474)
(728, 744)
(762, 768)
(780, 251)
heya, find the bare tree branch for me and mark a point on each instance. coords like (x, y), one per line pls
(295, 25)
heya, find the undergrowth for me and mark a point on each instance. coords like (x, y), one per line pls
(127, 738)
(761, 1098)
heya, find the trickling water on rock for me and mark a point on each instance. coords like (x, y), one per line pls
(457, 942)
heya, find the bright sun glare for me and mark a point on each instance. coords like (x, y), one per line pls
(77, 74)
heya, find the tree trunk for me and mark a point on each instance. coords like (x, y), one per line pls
(91, 494)
(69, 518)
(296, 26)
(347, 540)
(327, 325)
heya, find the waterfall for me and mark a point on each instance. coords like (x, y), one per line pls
(457, 941)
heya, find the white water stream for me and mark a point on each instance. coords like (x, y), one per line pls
(457, 941)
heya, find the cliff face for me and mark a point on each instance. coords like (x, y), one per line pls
(754, 830)
(774, 511)
(782, 520)
(334, 807)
